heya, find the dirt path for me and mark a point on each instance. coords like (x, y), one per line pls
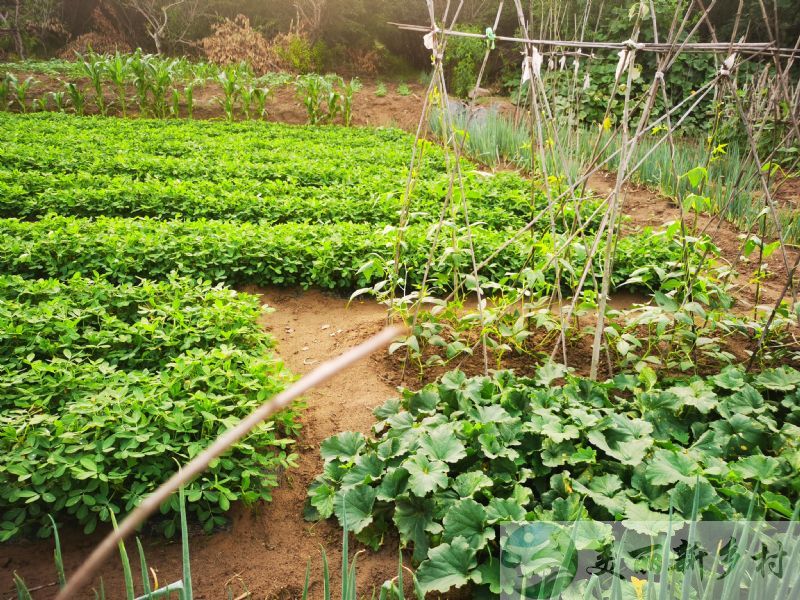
(266, 548)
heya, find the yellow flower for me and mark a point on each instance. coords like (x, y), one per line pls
(638, 587)
(607, 124)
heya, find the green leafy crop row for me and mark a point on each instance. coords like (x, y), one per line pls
(239, 172)
(103, 388)
(327, 256)
(498, 202)
(142, 326)
(210, 151)
(455, 459)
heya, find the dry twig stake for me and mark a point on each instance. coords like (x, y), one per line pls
(151, 504)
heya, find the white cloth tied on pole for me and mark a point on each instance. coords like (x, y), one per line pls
(626, 56)
(727, 65)
(532, 65)
(562, 62)
(587, 81)
(430, 38)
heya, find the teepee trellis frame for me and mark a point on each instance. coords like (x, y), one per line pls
(728, 56)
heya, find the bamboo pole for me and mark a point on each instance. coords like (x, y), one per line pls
(710, 47)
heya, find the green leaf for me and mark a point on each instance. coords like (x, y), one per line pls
(782, 379)
(467, 519)
(467, 484)
(424, 401)
(367, 468)
(763, 469)
(730, 378)
(425, 475)
(413, 517)
(779, 503)
(668, 467)
(448, 566)
(641, 519)
(355, 504)
(504, 509)
(556, 429)
(344, 446)
(442, 444)
(683, 497)
(622, 438)
(696, 176)
(549, 372)
(389, 408)
(696, 394)
(394, 483)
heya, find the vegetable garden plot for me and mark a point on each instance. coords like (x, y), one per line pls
(242, 172)
(329, 256)
(451, 462)
(104, 387)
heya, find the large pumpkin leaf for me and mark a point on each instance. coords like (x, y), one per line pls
(780, 379)
(668, 467)
(683, 497)
(467, 519)
(504, 509)
(353, 506)
(764, 469)
(344, 446)
(367, 468)
(448, 566)
(696, 394)
(394, 484)
(470, 482)
(413, 517)
(442, 444)
(322, 495)
(425, 475)
(623, 438)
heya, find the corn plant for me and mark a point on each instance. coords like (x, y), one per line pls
(246, 93)
(58, 99)
(77, 98)
(349, 91)
(5, 91)
(175, 107)
(94, 68)
(311, 90)
(181, 588)
(118, 68)
(260, 97)
(139, 72)
(160, 75)
(19, 91)
(335, 99)
(40, 104)
(188, 95)
(228, 80)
